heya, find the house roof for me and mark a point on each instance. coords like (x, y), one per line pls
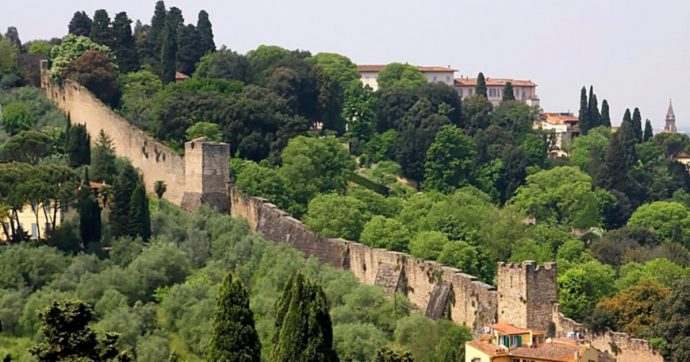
(472, 82)
(488, 348)
(549, 351)
(375, 68)
(508, 329)
(560, 118)
(181, 76)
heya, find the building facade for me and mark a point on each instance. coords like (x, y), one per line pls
(369, 74)
(565, 127)
(524, 90)
(35, 227)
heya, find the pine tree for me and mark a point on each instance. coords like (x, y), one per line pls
(648, 132)
(637, 124)
(583, 116)
(205, 29)
(78, 149)
(593, 109)
(80, 24)
(124, 45)
(188, 49)
(103, 159)
(234, 337)
(303, 326)
(123, 188)
(89, 213)
(508, 92)
(605, 118)
(101, 32)
(139, 215)
(481, 85)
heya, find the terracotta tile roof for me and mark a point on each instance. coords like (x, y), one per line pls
(181, 76)
(375, 68)
(472, 82)
(557, 352)
(560, 118)
(508, 329)
(488, 348)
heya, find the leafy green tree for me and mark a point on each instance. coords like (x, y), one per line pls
(71, 48)
(583, 118)
(205, 30)
(582, 286)
(103, 159)
(101, 32)
(304, 331)
(449, 160)
(40, 47)
(188, 49)
(508, 92)
(393, 104)
(209, 130)
(153, 38)
(400, 75)
(224, 64)
(159, 187)
(269, 183)
(648, 132)
(89, 213)
(463, 256)
(27, 146)
(661, 217)
(673, 328)
(428, 244)
(123, 44)
(16, 118)
(138, 90)
(637, 124)
(80, 25)
(338, 68)
(605, 117)
(78, 148)
(8, 57)
(386, 354)
(139, 216)
(562, 195)
(382, 232)
(336, 216)
(620, 158)
(68, 336)
(234, 335)
(480, 88)
(590, 149)
(476, 111)
(98, 74)
(359, 111)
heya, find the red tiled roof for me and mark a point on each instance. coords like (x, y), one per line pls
(181, 76)
(508, 329)
(375, 68)
(488, 348)
(472, 82)
(560, 118)
(557, 352)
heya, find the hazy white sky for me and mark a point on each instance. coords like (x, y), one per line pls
(634, 52)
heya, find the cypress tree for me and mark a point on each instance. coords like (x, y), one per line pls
(123, 189)
(305, 331)
(78, 149)
(169, 45)
(124, 45)
(101, 32)
(637, 124)
(605, 118)
(593, 109)
(188, 49)
(103, 159)
(139, 216)
(205, 29)
(481, 85)
(155, 34)
(234, 335)
(648, 132)
(89, 213)
(508, 92)
(583, 116)
(80, 24)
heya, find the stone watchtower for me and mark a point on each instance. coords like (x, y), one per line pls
(670, 126)
(206, 174)
(526, 293)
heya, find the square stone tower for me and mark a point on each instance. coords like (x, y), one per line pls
(206, 174)
(526, 293)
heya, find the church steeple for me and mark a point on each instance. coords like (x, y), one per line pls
(670, 119)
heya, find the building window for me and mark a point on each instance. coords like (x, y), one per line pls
(470, 91)
(434, 78)
(492, 93)
(460, 92)
(34, 231)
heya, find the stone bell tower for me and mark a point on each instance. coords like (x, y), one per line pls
(670, 126)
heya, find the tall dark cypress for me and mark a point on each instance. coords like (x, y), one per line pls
(605, 118)
(628, 140)
(234, 337)
(593, 109)
(139, 216)
(481, 85)
(124, 45)
(101, 32)
(188, 49)
(583, 116)
(78, 146)
(637, 124)
(154, 37)
(508, 92)
(168, 55)
(89, 213)
(205, 29)
(80, 24)
(123, 188)
(648, 132)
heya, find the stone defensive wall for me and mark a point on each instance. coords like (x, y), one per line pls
(620, 346)
(439, 291)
